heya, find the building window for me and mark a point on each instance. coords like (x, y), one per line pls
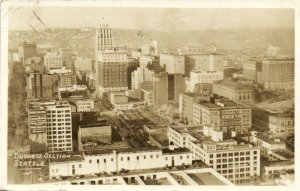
(145, 156)
(97, 161)
(151, 156)
(157, 155)
(137, 157)
(128, 158)
(104, 160)
(90, 161)
(80, 165)
(121, 158)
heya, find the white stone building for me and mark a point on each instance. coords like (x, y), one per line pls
(240, 163)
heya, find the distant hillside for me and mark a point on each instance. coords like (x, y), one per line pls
(232, 41)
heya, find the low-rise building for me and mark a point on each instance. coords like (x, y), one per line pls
(67, 79)
(121, 101)
(234, 91)
(239, 163)
(190, 175)
(226, 115)
(204, 77)
(281, 125)
(281, 154)
(271, 169)
(267, 143)
(93, 135)
(74, 90)
(114, 160)
(83, 104)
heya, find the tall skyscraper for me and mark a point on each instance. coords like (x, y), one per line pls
(278, 73)
(273, 51)
(42, 86)
(27, 50)
(139, 76)
(54, 118)
(52, 60)
(160, 89)
(176, 86)
(204, 62)
(174, 64)
(204, 79)
(111, 64)
(104, 39)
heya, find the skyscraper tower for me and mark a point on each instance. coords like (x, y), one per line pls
(104, 39)
(111, 64)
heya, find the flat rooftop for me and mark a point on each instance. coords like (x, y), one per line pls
(277, 163)
(208, 104)
(187, 175)
(177, 150)
(161, 138)
(160, 181)
(206, 178)
(156, 126)
(199, 137)
(186, 129)
(233, 84)
(121, 150)
(285, 153)
(132, 115)
(265, 137)
(97, 124)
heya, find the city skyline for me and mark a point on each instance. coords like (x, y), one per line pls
(150, 96)
(163, 19)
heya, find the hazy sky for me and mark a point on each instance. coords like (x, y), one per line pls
(149, 18)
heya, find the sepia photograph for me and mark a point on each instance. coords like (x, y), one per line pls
(149, 96)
